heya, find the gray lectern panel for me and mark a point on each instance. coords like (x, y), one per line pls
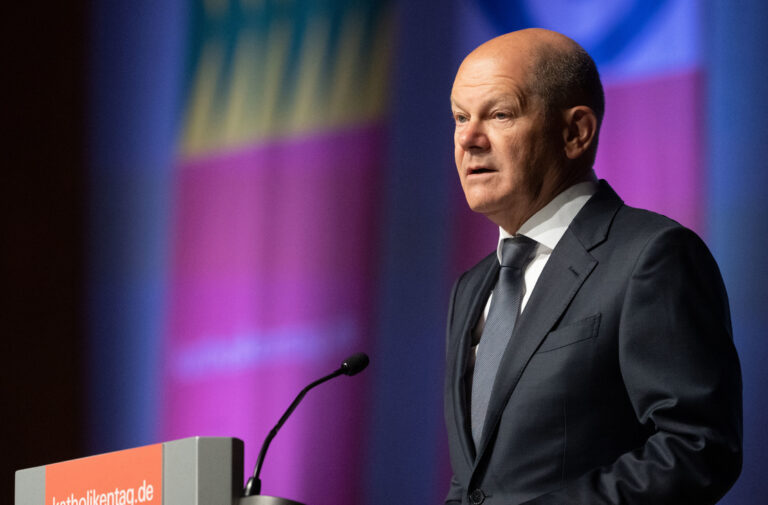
(196, 471)
(202, 471)
(30, 486)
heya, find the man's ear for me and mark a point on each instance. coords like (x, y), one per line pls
(580, 130)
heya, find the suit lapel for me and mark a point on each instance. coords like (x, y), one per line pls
(471, 302)
(566, 270)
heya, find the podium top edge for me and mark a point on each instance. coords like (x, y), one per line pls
(194, 439)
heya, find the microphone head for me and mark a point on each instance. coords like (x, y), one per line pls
(355, 363)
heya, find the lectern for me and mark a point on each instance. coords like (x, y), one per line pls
(191, 471)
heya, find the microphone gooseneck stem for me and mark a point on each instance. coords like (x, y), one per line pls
(253, 487)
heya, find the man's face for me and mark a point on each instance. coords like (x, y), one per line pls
(507, 152)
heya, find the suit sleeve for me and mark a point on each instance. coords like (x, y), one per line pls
(455, 491)
(682, 375)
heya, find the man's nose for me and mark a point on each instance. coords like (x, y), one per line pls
(473, 137)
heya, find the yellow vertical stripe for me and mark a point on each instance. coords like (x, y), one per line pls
(377, 74)
(240, 97)
(346, 75)
(307, 99)
(272, 72)
(201, 111)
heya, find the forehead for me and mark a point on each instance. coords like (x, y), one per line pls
(491, 76)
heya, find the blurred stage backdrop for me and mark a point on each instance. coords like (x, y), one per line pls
(272, 189)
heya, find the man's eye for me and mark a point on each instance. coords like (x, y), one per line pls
(460, 118)
(501, 115)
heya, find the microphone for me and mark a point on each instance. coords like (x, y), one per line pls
(355, 364)
(350, 366)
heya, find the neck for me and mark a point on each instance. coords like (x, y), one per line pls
(513, 219)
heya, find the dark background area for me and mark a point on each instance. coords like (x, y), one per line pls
(43, 237)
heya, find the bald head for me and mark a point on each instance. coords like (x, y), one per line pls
(559, 70)
(523, 41)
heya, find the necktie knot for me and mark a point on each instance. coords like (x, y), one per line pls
(517, 251)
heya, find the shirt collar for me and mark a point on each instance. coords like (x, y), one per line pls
(548, 225)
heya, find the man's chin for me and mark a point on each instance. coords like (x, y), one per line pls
(480, 208)
(491, 212)
(483, 205)
(496, 212)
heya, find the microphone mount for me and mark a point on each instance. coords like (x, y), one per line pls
(350, 366)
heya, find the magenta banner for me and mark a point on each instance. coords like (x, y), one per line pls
(271, 287)
(651, 145)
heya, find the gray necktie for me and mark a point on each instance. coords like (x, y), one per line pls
(516, 253)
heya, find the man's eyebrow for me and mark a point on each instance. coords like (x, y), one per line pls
(516, 99)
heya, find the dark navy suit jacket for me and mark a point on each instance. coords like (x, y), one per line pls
(620, 385)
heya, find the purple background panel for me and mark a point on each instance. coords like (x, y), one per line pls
(271, 287)
(650, 147)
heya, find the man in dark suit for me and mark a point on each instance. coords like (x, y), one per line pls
(590, 358)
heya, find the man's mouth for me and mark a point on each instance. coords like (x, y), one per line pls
(479, 170)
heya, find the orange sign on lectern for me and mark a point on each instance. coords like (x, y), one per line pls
(130, 477)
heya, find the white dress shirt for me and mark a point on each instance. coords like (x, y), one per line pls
(546, 227)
